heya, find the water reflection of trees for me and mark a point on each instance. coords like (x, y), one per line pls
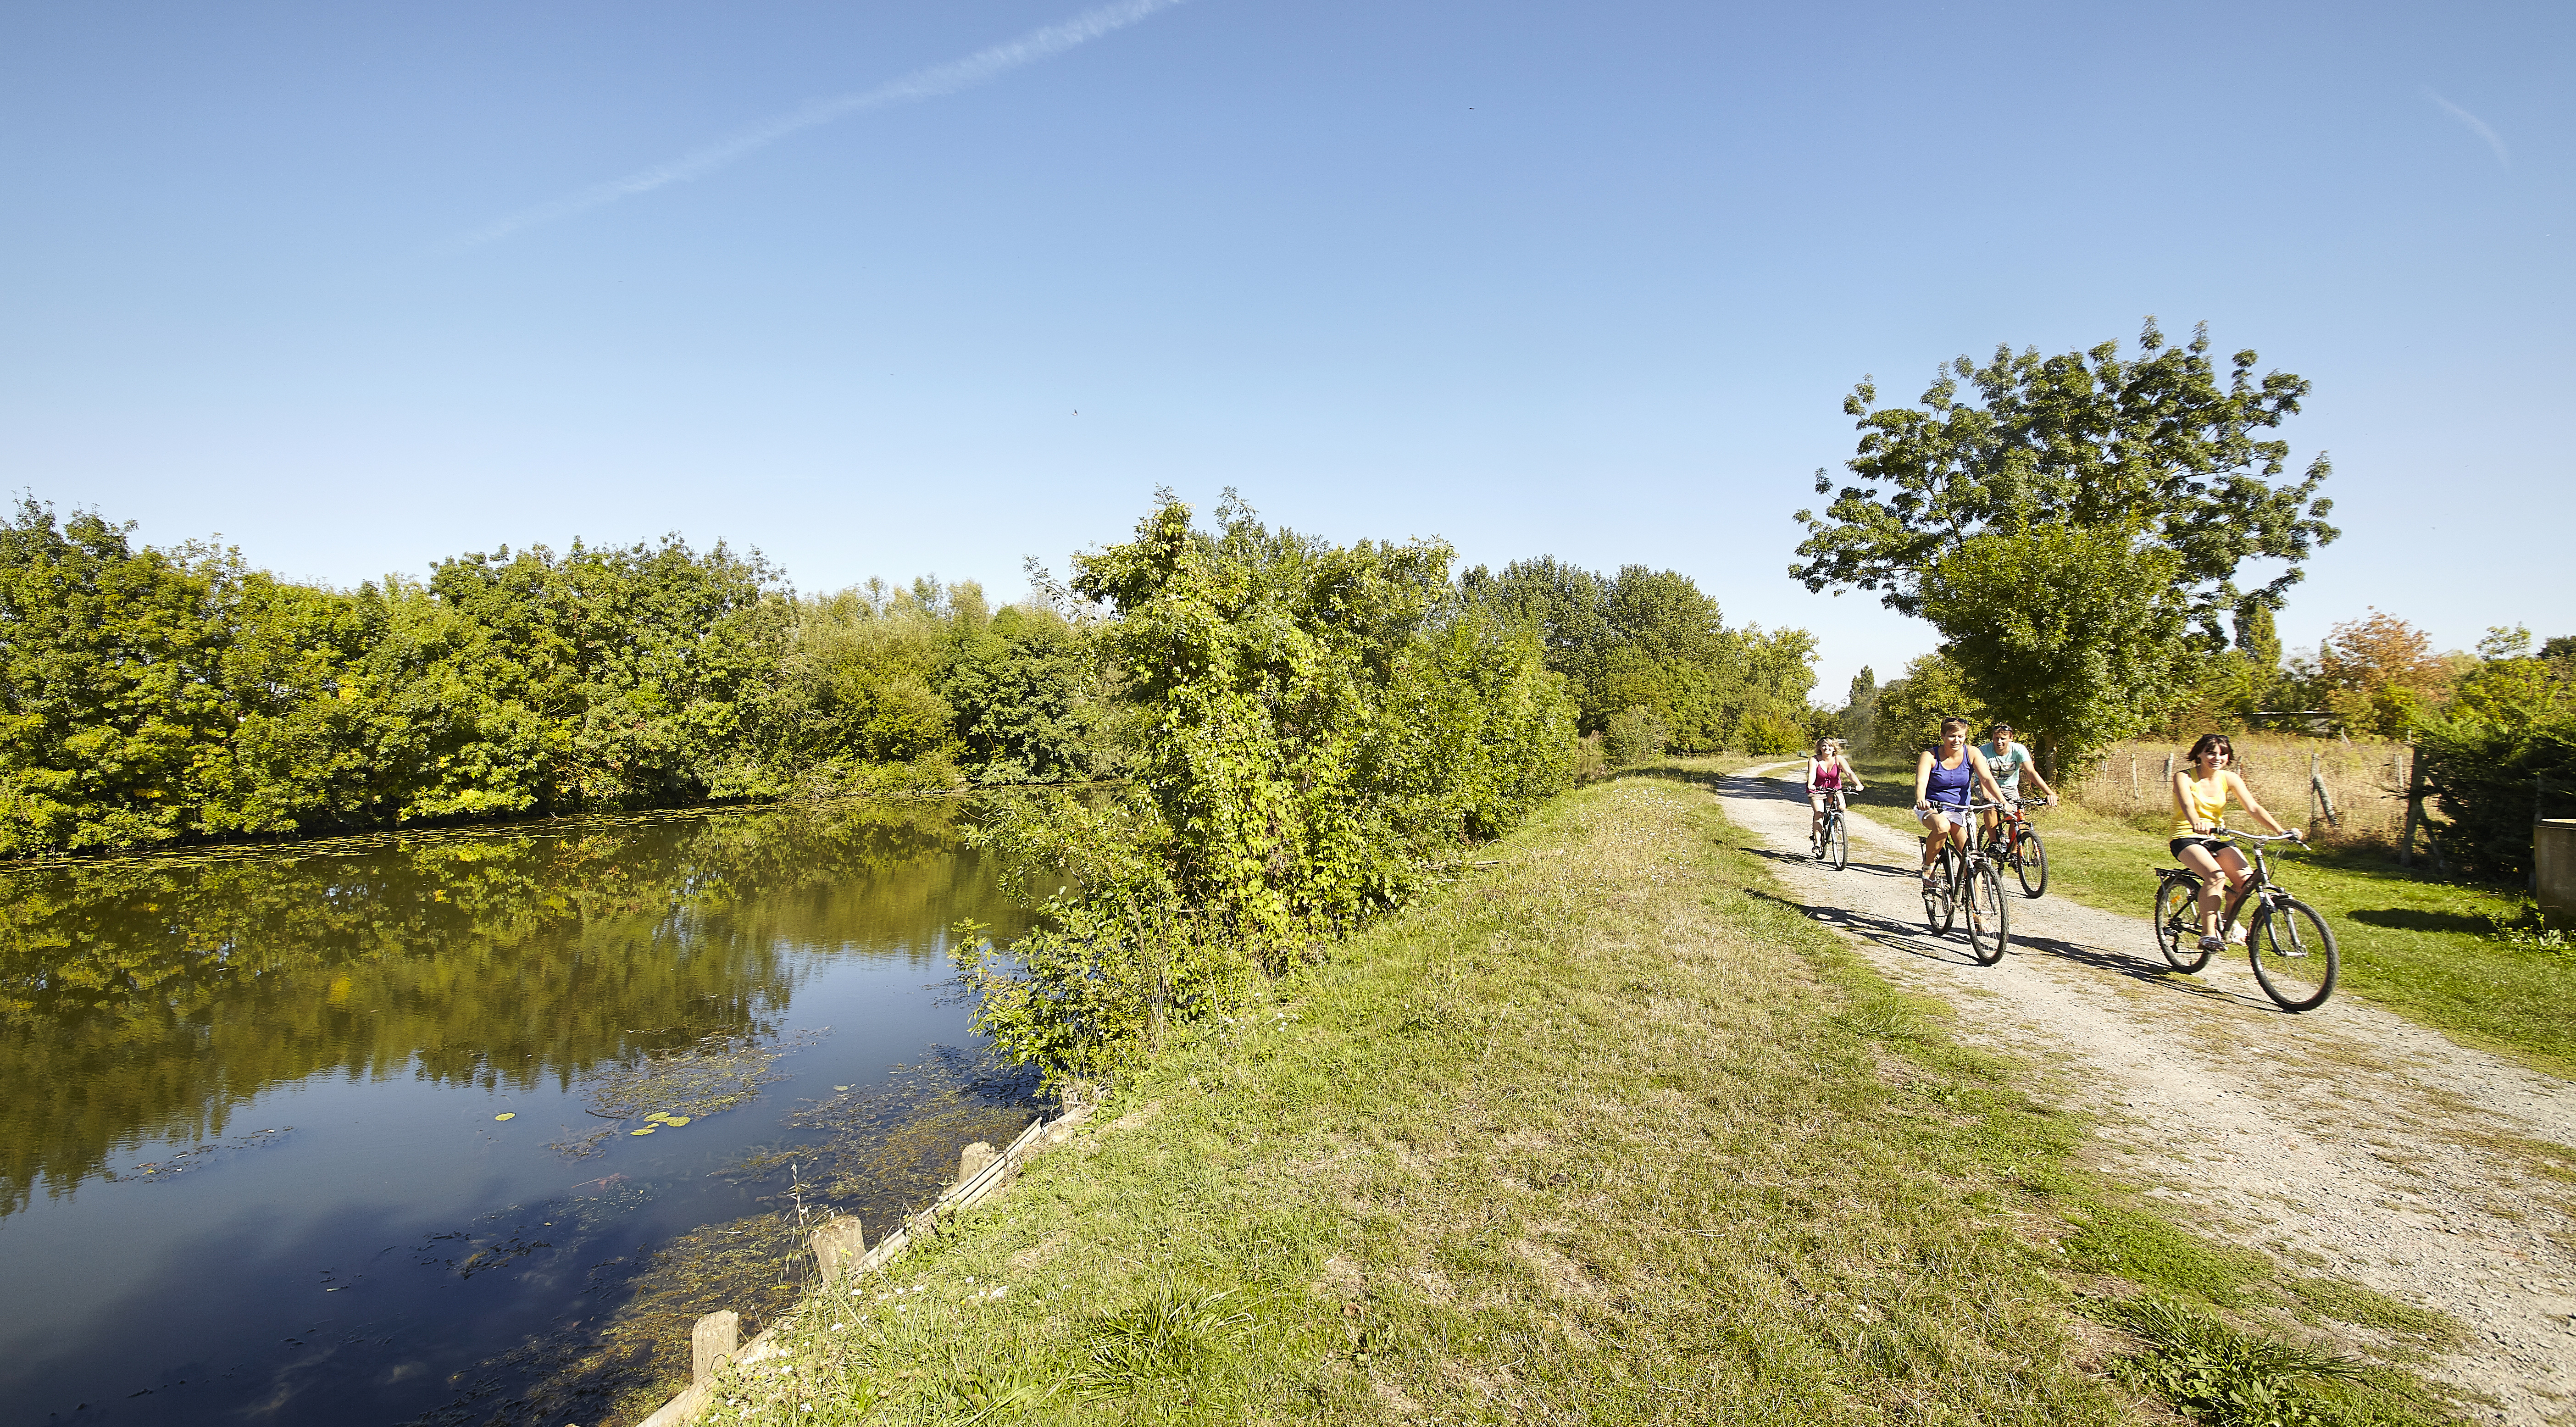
(154, 997)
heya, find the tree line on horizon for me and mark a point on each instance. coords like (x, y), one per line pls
(151, 696)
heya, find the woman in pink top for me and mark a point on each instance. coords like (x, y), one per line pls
(1829, 776)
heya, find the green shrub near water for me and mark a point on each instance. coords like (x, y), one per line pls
(1310, 723)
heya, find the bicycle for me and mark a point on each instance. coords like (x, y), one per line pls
(1831, 841)
(2024, 853)
(1973, 883)
(2290, 945)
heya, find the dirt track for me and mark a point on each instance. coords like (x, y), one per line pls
(2346, 1139)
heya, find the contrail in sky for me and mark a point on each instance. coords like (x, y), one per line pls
(977, 68)
(2476, 125)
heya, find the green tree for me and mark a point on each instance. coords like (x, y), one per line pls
(642, 667)
(123, 676)
(1859, 724)
(2066, 632)
(1910, 708)
(2381, 674)
(1029, 699)
(1569, 606)
(2156, 450)
(1652, 639)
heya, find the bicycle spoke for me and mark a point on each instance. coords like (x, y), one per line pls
(2030, 861)
(2293, 953)
(1989, 923)
(2177, 923)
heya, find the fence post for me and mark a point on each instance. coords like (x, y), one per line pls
(2539, 812)
(2414, 804)
(2133, 782)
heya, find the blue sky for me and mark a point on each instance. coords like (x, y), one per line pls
(1583, 280)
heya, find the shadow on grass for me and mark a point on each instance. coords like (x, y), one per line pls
(2411, 919)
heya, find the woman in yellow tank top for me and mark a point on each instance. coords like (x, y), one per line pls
(2200, 794)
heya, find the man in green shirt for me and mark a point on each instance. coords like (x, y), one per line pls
(2010, 760)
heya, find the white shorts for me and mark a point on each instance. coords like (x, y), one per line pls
(1953, 811)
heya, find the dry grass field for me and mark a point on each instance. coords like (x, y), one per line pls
(2365, 778)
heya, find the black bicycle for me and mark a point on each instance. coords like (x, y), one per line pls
(1969, 884)
(2014, 843)
(1831, 841)
(2292, 948)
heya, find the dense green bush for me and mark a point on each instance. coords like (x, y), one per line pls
(1633, 736)
(1311, 723)
(2509, 731)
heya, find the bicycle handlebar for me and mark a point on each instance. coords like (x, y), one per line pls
(2223, 830)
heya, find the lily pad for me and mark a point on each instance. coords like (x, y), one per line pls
(648, 1129)
(659, 1116)
(676, 1121)
(507, 1115)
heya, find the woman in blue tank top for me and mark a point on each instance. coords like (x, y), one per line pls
(1943, 777)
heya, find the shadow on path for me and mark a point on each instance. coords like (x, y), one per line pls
(1913, 938)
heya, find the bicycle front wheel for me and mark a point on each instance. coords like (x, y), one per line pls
(1989, 918)
(1840, 855)
(2032, 863)
(2177, 923)
(2294, 954)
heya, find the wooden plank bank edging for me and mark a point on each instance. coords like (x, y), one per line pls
(837, 1251)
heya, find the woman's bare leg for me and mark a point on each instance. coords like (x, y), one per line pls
(2213, 881)
(2240, 874)
(1941, 827)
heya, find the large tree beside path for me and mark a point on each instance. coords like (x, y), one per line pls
(2066, 520)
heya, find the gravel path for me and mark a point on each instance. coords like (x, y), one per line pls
(2345, 1139)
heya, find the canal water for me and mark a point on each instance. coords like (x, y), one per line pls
(466, 1128)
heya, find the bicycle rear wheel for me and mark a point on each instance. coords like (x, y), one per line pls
(1938, 908)
(2030, 859)
(2294, 954)
(2177, 923)
(1989, 917)
(1840, 855)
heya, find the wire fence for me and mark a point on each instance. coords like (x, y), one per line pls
(2345, 791)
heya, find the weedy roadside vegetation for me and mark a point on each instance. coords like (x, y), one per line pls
(1605, 1131)
(2464, 958)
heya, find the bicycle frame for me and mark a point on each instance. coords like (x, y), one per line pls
(2259, 885)
(1979, 846)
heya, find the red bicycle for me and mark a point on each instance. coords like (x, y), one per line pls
(2012, 842)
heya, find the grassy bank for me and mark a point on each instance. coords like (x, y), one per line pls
(2417, 945)
(1603, 1132)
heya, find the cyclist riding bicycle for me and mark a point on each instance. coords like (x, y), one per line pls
(2200, 794)
(2009, 760)
(1829, 777)
(1942, 778)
